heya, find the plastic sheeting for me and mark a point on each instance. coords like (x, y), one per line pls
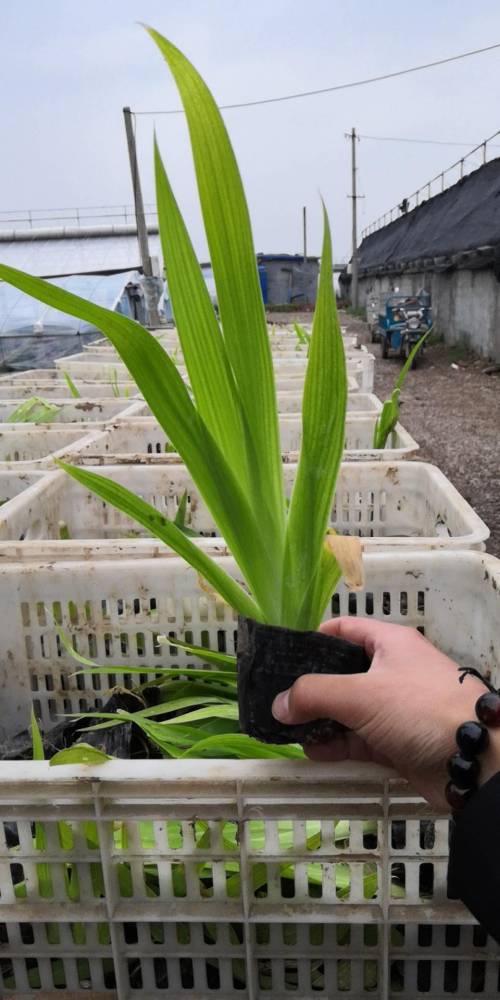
(24, 316)
(463, 218)
(32, 334)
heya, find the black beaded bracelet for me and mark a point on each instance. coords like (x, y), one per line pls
(472, 739)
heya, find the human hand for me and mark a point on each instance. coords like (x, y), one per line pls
(403, 713)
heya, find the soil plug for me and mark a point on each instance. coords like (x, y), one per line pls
(270, 658)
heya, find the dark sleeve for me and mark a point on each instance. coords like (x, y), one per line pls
(474, 865)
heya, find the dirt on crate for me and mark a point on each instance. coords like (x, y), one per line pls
(452, 409)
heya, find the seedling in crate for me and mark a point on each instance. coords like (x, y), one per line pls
(226, 430)
(303, 337)
(34, 410)
(389, 416)
(71, 385)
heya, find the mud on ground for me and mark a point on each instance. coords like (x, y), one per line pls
(453, 410)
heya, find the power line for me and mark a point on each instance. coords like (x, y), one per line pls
(338, 86)
(433, 142)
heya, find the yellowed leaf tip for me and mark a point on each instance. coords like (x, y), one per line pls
(349, 554)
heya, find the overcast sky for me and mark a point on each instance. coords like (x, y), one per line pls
(67, 68)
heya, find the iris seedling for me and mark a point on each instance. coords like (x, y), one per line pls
(303, 337)
(71, 385)
(34, 411)
(389, 415)
(227, 431)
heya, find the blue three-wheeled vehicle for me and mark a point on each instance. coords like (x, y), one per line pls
(402, 322)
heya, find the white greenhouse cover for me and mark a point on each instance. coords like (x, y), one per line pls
(22, 315)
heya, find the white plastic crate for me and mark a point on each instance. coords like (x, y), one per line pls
(290, 401)
(295, 383)
(59, 389)
(358, 439)
(31, 375)
(75, 410)
(156, 845)
(12, 483)
(144, 439)
(27, 447)
(390, 505)
(279, 341)
(92, 366)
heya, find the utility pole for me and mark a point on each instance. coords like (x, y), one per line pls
(304, 229)
(354, 196)
(150, 283)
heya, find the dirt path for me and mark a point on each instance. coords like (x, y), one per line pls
(454, 414)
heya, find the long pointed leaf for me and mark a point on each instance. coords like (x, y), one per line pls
(323, 428)
(409, 361)
(71, 385)
(199, 332)
(241, 308)
(323, 585)
(209, 655)
(159, 526)
(242, 747)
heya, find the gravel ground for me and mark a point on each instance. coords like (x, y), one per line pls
(454, 414)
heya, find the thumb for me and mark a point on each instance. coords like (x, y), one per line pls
(347, 699)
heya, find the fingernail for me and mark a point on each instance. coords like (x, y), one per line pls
(280, 705)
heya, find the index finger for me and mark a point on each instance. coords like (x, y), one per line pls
(366, 632)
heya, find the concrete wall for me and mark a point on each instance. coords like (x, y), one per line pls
(465, 304)
(290, 281)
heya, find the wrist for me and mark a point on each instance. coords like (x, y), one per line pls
(489, 762)
(477, 755)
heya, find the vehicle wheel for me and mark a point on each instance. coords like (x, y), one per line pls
(407, 352)
(385, 349)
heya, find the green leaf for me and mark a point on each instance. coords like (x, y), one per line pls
(389, 415)
(229, 711)
(66, 642)
(409, 361)
(239, 297)
(34, 411)
(302, 335)
(199, 332)
(209, 655)
(386, 420)
(167, 532)
(36, 738)
(242, 747)
(322, 586)
(323, 433)
(71, 385)
(167, 396)
(115, 389)
(80, 753)
(180, 518)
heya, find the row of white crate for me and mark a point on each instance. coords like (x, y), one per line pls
(279, 337)
(91, 365)
(142, 439)
(223, 878)
(397, 505)
(102, 410)
(47, 382)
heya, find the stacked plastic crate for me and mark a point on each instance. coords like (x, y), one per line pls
(143, 854)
